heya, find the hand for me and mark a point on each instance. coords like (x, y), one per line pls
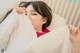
(21, 10)
(75, 35)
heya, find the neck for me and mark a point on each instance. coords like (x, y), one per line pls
(38, 29)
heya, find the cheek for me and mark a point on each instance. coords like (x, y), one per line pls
(35, 19)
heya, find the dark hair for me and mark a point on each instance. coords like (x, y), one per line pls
(40, 7)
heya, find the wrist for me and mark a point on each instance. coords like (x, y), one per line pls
(75, 48)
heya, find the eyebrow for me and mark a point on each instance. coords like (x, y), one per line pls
(32, 10)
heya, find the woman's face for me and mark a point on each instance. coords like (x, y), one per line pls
(36, 19)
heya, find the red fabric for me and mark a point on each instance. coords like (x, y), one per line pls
(42, 33)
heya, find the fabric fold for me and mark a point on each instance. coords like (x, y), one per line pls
(57, 41)
(16, 30)
(17, 35)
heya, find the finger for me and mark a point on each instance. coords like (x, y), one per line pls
(71, 29)
(76, 30)
(24, 8)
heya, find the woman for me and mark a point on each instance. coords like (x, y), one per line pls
(40, 15)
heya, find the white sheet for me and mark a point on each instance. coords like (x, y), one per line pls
(56, 41)
(19, 36)
(15, 29)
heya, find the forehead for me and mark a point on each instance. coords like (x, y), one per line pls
(30, 8)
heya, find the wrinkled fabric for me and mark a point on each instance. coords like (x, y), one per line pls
(17, 35)
(16, 30)
(56, 41)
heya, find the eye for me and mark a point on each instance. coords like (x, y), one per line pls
(33, 14)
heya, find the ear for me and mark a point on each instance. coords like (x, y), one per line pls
(44, 20)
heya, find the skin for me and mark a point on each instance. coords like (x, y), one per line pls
(38, 21)
(75, 38)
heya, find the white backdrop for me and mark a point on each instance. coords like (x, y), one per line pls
(6, 5)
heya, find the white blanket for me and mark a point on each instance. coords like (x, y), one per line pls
(15, 29)
(17, 35)
(56, 41)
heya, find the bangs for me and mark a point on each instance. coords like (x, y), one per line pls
(38, 8)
